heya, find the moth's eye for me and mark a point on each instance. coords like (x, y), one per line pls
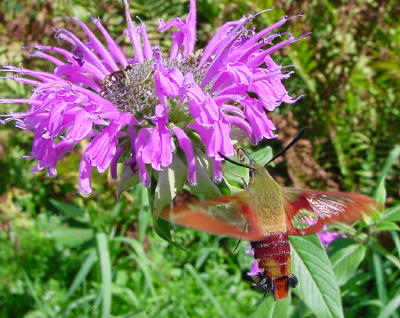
(251, 173)
(241, 155)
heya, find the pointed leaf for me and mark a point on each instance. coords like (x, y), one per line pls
(391, 214)
(127, 180)
(71, 211)
(271, 308)
(170, 183)
(391, 308)
(346, 260)
(317, 283)
(386, 226)
(205, 187)
(380, 192)
(263, 155)
(80, 277)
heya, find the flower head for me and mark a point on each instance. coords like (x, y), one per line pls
(140, 110)
(327, 238)
(254, 269)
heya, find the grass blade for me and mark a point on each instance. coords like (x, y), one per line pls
(82, 274)
(380, 192)
(105, 266)
(379, 277)
(205, 289)
(32, 291)
(77, 303)
(396, 240)
(142, 260)
(391, 308)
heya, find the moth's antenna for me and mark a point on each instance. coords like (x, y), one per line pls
(237, 245)
(239, 240)
(235, 162)
(290, 144)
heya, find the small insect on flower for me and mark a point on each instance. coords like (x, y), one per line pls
(140, 110)
(266, 214)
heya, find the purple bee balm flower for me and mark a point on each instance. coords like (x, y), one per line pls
(255, 269)
(140, 110)
(327, 238)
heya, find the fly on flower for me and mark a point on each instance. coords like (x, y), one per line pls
(266, 214)
(140, 110)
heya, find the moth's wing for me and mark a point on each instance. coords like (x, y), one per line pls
(308, 210)
(227, 215)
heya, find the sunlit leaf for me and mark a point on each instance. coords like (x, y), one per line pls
(346, 260)
(170, 183)
(205, 187)
(317, 285)
(71, 211)
(105, 267)
(71, 236)
(391, 214)
(386, 226)
(127, 180)
(270, 308)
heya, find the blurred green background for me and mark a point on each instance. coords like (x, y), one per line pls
(66, 255)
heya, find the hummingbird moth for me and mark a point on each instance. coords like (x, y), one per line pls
(266, 214)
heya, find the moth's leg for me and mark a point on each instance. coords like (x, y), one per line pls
(239, 240)
(265, 285)
(292, 281)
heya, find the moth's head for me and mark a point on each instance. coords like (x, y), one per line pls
(245, 160)
(255, 169)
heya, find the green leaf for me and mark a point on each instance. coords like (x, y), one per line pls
(71, 236)
(126, 181)
(378, 248)
(391, 214)
(236, 175)
(208, 293)
(346, 260)
(80, 302)
(205, 187)
(386, 226)
(380, 192)
(396, 240)
(142, 260)
(379, 277)
(391, 308)
(105, 266)
(163, 230)
(270, 308)
(263, 155)
(138, 314)
(317, 285)
(71, 211)
(170, 183)
(87, 265)
(224, 187)
(43, 305)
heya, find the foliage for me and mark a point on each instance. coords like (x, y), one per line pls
(65, 255)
